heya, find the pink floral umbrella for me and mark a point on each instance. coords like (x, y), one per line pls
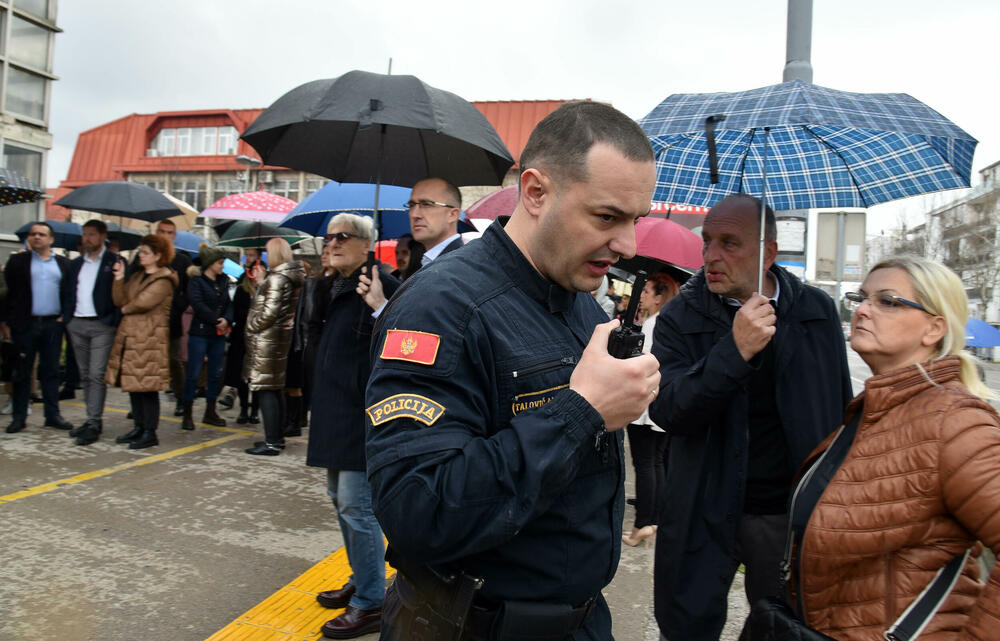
(258, 206)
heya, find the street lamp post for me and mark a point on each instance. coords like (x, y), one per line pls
(251, 163)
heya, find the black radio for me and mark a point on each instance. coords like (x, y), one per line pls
(626, 341)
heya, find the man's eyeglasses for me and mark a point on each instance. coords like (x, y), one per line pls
(425, 204)
(342, 236)
(882, 302)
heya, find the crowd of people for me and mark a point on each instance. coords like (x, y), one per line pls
(474, 417)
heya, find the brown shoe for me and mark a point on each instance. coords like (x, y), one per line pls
(353, 623)
(336, 598)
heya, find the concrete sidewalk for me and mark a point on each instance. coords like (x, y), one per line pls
(172, 543)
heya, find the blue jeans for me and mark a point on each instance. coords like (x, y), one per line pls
(352, 496)
(198, 347)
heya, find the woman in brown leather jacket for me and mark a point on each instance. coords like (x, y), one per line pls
(921, 481)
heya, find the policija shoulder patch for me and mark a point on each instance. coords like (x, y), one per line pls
(406, 345)
(419, 408)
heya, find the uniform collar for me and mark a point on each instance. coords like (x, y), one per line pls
(552, 296)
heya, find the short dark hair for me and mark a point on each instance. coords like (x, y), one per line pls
(560, 143)
(161, 246)
(52, 232)
(167, 221)
(97, 225)
(770, 224)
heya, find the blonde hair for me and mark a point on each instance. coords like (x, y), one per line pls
(279, 252)
(363, 226)
(941, 293)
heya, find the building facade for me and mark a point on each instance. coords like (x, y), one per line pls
(27, 41)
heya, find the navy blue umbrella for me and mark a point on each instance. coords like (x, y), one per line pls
(189, 243)
(67, 234)
(981, 334)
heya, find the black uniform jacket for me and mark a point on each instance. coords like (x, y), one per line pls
(478, 453)
(703, 406)
(15, 309)
(107, 312)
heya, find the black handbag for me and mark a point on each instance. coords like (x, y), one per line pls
(772, 619)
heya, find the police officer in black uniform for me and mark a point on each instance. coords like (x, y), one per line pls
(494, 409)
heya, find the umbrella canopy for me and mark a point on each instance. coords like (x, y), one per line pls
(824, 148)
(188, 243)
(120, 198)
(255, 234)
(67, 234)
(127, 238)
(981, 334)
(499, 203)
(313, 213)
(16, 189)
(257, 205)
(663, 245)
(372, 128)
(188, 214)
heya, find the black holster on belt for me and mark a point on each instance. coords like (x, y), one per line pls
(440, 601)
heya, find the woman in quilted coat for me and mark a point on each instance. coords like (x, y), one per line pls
(920, 483)
(139, 357)
(269, 336)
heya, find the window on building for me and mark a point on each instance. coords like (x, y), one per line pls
(193, 192)
(158, 185)
(29, 43)
(27, 163)
(196, 141)
(222, 187)
(183, 147)
(164, 142)
(38, 7)
(26, 93)
(289, 188)
(315, 184)
(227, 141)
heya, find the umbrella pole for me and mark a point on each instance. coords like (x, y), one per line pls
(375, 216)
(763, 216)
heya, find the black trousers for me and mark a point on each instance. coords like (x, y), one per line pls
(649, 458)
(146, 409)
(272, 412)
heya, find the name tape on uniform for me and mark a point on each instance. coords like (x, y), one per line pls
(531, 400)
(419, 408)
(415, 347)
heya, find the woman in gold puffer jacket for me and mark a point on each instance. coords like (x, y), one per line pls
(921, 481)
(268, 338)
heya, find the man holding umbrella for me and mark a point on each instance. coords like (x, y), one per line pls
(494, 443)
(750, 384)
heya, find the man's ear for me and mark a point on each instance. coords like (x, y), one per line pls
(770, 253)
(536, 189)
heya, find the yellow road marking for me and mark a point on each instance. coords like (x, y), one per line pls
(292, 613)
(87, 476)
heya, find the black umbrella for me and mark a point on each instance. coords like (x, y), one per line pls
(366, 127)
(16, 189)
(120, 198)
(254, 233)
(127, 238)
(66, 235)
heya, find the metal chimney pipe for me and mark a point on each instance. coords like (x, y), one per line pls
(798, 42)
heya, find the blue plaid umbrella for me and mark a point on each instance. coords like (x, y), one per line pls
(825, 148)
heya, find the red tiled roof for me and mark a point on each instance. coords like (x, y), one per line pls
(113, 150)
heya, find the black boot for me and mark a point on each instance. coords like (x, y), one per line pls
(211, 417)
(179, 408)
(292, 427)
(254, 417)
(147, 439)
(130, 436)
(243, 418)
(188, 422)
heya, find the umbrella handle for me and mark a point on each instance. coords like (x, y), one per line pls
(713, 159)
(763, 215)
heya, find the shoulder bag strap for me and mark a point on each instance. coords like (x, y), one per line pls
(911, 623)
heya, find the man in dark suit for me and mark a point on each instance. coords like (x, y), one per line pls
(32, 316)
(435, 206)
(93, 323)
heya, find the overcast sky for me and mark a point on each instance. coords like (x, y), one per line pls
(118, 57)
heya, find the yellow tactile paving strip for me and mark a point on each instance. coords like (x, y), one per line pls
(292, 613)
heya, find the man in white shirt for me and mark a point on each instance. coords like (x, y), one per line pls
(95, 319)
(435, 206)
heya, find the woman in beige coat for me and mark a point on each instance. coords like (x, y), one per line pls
(139, 357)
(269, 337)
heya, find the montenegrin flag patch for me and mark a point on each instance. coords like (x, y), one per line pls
(419, 408)
(415, 347)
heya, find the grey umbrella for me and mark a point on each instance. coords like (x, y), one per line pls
(120, 198)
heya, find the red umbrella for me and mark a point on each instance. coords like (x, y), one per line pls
(259, 206)
(663, 245)
(498, 203)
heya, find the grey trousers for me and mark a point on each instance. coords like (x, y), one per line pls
(92, 341)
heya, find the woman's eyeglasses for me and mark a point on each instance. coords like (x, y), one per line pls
(880, 301)
(342, 236)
